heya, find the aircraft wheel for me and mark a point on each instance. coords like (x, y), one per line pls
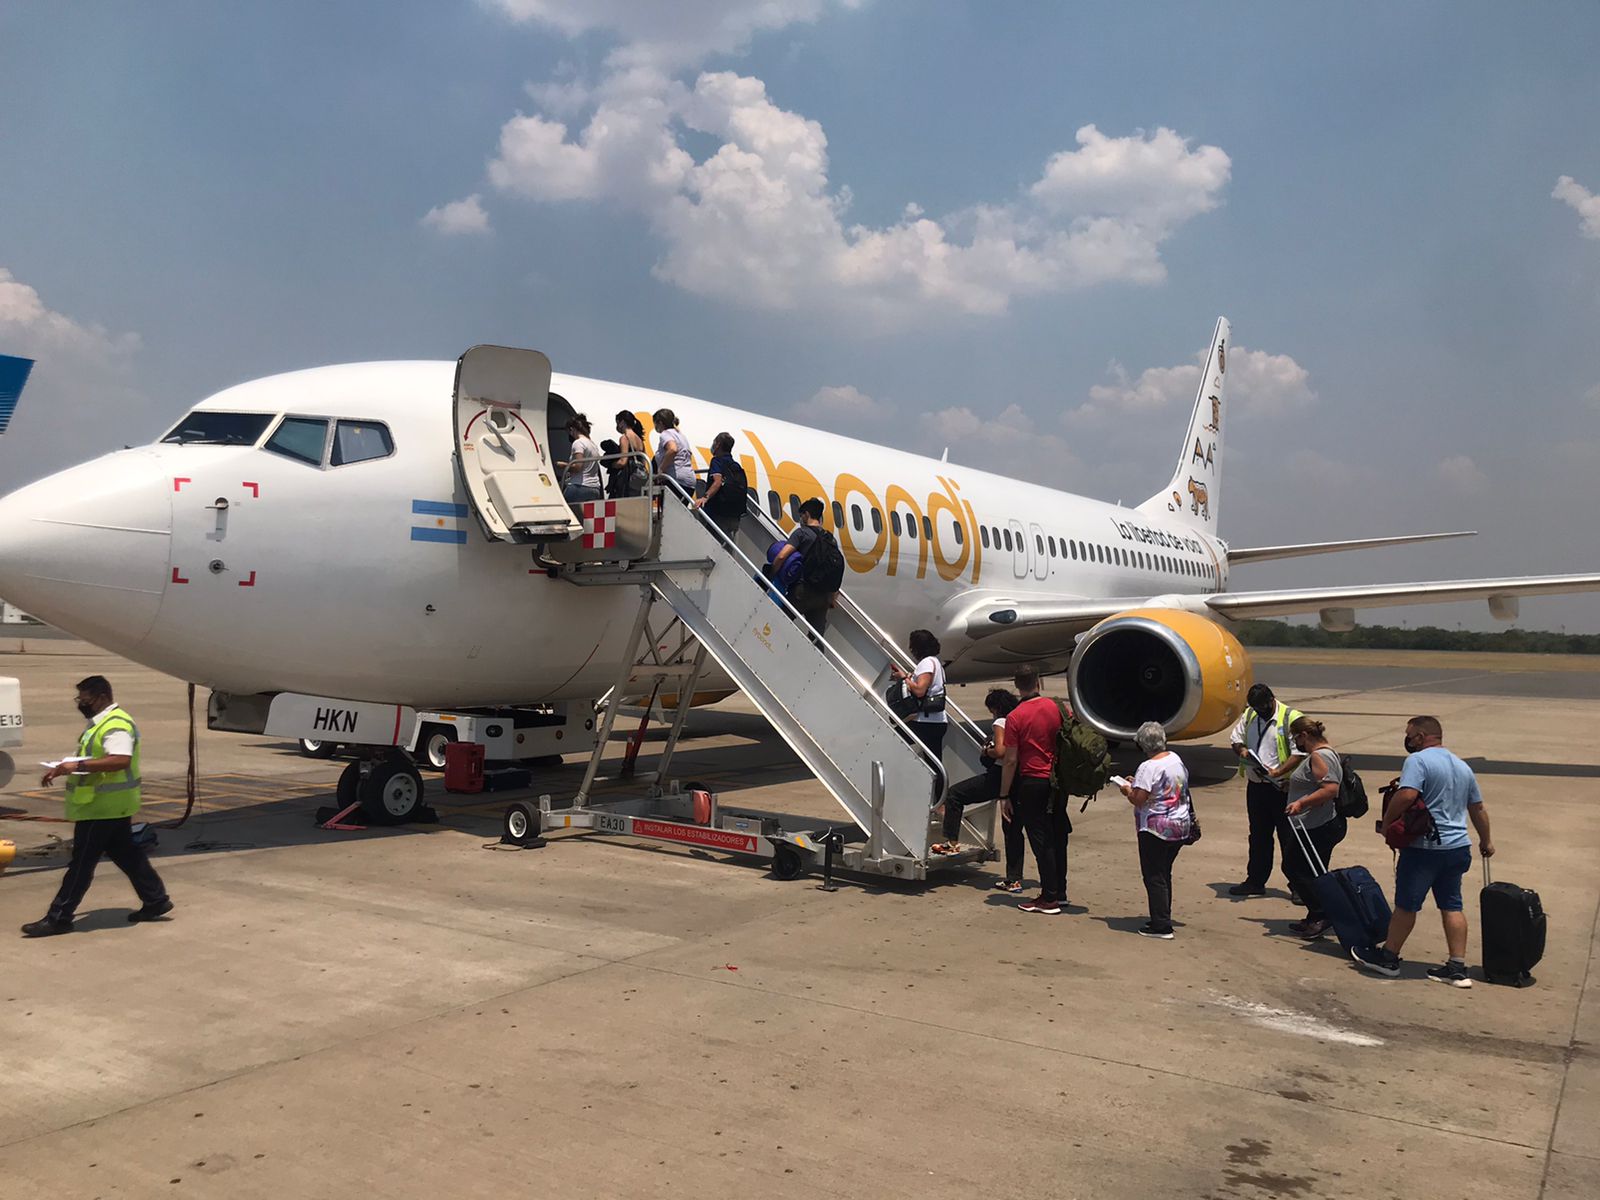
(787, 863)
(430, 748)
(391, 793)
(312, 748)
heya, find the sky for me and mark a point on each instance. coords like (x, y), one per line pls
(1005, 230)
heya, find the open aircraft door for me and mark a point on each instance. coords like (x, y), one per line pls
(503, 445)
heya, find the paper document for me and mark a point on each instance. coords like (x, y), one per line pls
(63, 762)
(1118, 781)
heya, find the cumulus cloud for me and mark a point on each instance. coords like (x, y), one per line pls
(1259, 385)
(1009, 442)
(1460, 473)
(82, 381)
(758, 220)
(847, 403)
(1582, 201)
(458, 217)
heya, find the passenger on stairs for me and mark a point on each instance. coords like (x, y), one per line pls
(925, 681)
(582, 479)
(674, 460)
(633, 471)
(822, 566)
(725, 498)
(981, 789)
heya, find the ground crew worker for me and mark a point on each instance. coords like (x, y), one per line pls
(1261, 740)
(102, 796)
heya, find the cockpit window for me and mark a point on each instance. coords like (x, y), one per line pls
(300, 438)
(203, 427)
(360, 441)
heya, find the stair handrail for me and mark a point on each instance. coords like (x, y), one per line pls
(670, 484)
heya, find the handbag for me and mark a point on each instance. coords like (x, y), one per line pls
(901, 702)
(1413, 825)
(1194, 817)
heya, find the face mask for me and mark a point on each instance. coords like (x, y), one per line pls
(85, 708)
(1412, 744)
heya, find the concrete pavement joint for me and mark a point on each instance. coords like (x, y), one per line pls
(1566, 1069)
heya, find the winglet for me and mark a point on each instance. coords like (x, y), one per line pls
(1194, 494)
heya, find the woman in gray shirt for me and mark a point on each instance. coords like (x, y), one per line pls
(1313, 790)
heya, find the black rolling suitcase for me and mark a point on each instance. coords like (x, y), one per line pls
(1350, 897)
(1513, 926)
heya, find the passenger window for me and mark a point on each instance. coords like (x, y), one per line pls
(794, 507)
(838, 515)
(360, 441)
(894, 520)
(855, 518)
(1039, 541)
(1052, 547)
(960, 537)
(911, 526)
(983, 535)
(1009, 546)
(927, 528)
(775, 506)
(1073, 548)
(877, 521)
(300, 438)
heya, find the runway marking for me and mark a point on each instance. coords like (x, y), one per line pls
(1286, 1020)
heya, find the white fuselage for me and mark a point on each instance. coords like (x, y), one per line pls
(329, 581)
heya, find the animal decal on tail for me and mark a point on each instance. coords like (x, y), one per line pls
(1199, 500)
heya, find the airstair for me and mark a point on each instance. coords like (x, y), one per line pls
(704, 600)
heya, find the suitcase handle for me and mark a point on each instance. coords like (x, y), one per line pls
(1487, 880)
(1306, 844)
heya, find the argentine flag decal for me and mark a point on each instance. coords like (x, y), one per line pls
(438, 521)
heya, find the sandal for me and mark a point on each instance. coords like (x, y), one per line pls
(1014, 886)
(946, 848)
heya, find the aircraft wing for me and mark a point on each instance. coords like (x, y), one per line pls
(1499, 592)
(1300, 550)
(1016, 629)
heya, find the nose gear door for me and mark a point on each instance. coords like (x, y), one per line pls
(503, 448)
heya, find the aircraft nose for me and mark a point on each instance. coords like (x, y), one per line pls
(87, 550)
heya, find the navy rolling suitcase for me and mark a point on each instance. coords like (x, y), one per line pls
(1354, 903)
(1513, 929)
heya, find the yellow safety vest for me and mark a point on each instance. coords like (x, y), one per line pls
(1284, 716)
(105, 794)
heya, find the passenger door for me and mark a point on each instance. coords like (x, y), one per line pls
(502, 446)
(1019, 549)
(1041, 560)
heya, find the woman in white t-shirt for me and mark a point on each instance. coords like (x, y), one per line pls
(1164, 817)
(582, 479)
(926, 682)
(673, 456)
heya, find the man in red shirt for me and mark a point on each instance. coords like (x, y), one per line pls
(1031, 731)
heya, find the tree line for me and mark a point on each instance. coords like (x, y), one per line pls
(1424, 637)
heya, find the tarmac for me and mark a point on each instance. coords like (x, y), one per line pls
(416, 1012)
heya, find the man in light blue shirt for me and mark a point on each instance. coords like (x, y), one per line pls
(1434, 862)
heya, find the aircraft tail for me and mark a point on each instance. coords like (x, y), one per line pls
(13, 374)
(1194, 493)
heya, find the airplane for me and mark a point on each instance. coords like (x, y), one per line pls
(333, 533)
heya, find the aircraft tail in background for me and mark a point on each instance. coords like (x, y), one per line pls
(13, 374)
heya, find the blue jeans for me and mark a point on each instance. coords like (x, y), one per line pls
(1440, 871)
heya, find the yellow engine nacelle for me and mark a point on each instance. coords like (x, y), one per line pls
(1159, 664)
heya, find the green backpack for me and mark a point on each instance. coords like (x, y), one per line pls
(1083, 762)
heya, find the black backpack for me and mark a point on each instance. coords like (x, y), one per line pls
(823, 569)
(1351, 802)
(731, 497)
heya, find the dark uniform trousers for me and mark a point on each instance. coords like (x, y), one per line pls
(1265, 803)
(113, 839)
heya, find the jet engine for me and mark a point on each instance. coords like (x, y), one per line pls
(1158, 664)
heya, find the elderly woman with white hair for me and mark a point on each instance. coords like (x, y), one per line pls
(1164, 816)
